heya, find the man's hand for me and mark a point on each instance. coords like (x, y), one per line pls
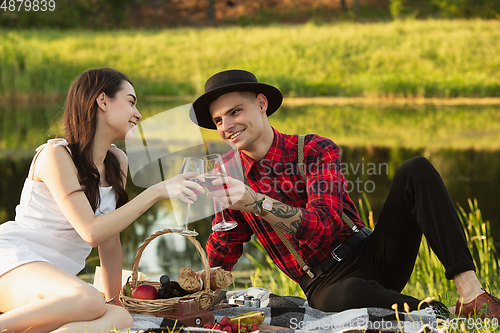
(235, 195)
(240, 197)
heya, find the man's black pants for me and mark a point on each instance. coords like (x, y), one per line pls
(373, 274)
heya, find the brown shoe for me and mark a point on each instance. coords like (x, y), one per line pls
(484, 305)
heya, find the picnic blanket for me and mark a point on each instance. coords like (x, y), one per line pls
(294, 314)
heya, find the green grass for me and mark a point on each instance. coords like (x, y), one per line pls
(431, 58)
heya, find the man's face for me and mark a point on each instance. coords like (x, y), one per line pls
(239, 118)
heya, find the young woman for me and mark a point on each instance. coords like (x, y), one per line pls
(74, 199)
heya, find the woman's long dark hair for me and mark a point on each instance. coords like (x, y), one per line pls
(80, 123)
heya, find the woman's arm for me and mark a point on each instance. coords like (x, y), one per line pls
(111, 255)
(55, 168)
(110, 251)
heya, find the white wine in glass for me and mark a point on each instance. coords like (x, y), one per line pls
(191, 164)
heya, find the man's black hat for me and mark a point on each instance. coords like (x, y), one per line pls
(226, 82)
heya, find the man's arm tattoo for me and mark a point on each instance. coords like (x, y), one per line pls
(256, 203)
(279, 210)
(284, 211)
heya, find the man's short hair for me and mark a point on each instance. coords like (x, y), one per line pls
(250, 95)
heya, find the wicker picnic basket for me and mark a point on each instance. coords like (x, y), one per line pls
(203, 298)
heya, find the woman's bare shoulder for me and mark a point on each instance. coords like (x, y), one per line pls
(54, 155)
(54, 166)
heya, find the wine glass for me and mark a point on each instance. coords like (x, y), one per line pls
(214, 169)
(191, 164)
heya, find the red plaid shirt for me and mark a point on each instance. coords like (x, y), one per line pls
(322, 201)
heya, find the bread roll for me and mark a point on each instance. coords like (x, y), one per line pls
(190, 281)
(219, 277)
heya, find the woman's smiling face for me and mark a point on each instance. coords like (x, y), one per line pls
(121, 111)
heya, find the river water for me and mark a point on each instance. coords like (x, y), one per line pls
(467, 173)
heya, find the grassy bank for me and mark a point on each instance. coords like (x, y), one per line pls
(434, 58)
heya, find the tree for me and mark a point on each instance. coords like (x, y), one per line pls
(343, 5)
(210, 10)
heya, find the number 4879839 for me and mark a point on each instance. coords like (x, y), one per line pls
(28, 5)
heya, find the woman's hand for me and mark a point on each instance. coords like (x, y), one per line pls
(180, 187)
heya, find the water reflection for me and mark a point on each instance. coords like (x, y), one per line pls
(468, 173)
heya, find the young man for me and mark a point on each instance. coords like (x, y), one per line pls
(337, 262)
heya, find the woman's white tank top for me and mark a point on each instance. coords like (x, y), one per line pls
(41, 232)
